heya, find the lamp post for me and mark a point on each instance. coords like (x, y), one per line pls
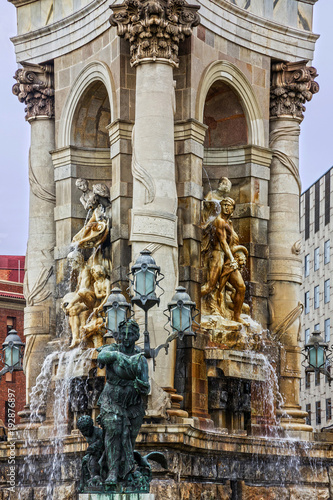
(12, 353)
(116, 310)
(146, 276)
(317, 355)
(182, 311)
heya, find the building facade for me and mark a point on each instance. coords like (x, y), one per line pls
(11, 317)
(317, 242)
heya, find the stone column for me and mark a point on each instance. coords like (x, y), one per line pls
(34, 88)
(292, 85)
(154, 29)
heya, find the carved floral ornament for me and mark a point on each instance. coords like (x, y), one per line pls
(292, 85)
(154, 28)
(34, 88)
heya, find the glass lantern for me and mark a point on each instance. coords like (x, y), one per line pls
(181, 310)
(316, 352)
(145, 279)
(116, 310)
(12, 351)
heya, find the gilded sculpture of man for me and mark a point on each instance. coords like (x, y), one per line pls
(220, 244)
(122, 402)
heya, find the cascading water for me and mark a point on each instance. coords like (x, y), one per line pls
(56, 376)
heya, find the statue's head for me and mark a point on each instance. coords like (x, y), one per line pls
(227, 206)
(240, 254)
(98, 272)
(129, 332)
(224, 184)
(85, 424)
(75, 259)
(82, 184)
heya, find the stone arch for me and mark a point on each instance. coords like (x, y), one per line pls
(229, 74)
(93, 76)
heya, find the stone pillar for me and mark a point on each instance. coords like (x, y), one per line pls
(154, 30)
(34, 87)
(120, 133)
(292, 85)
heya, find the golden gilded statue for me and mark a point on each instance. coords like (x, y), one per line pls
(223, 257)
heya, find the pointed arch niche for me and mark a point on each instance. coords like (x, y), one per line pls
(83, 148)
(234, 147)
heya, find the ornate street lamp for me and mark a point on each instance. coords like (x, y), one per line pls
(12, 353)
(145, 279)
(317, 355)
(182, 312)
(116, 309)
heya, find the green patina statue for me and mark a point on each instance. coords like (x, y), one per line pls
(122, 409)
(91, 466)
(122, 401)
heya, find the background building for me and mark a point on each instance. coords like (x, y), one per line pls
(11, 316)
(317, 239)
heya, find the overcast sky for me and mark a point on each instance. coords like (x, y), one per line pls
(316, 136)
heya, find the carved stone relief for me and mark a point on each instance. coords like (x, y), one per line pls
(292, 85)
(154, 28)
(35, 89)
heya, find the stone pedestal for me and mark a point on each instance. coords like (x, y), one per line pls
(116, 496)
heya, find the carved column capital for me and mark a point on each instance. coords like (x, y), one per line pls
(292, 85)
(154, 28)
(35, 89)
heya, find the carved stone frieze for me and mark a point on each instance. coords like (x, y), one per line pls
(292, 85)
(35, 89)
(154, 28)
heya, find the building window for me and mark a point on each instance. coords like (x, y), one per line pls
(317, 206)
(316, 297)
(328, 409)
(307, 214)
(316, 259)
(327, 291)
(327, 329)
(11, 323)
(307, 380)
(308, 409)
(317, 378)
(327, 252)
(327, 197)
(318, 413)
(317, 327)
(306, 265)
(307, 335)
(306, 303)
(328, 377)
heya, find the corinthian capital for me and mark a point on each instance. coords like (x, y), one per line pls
(34, 87)
(154, 28)
(292, 85)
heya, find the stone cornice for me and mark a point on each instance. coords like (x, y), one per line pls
(66, 35)
(256, 33)
(154, 28)
(220, 16)
(35, 89)
(292, 85)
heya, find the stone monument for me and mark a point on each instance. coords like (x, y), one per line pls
(187, 130)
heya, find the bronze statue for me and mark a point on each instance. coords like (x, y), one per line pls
(91, 463)
(122, 404)
(223, 258)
